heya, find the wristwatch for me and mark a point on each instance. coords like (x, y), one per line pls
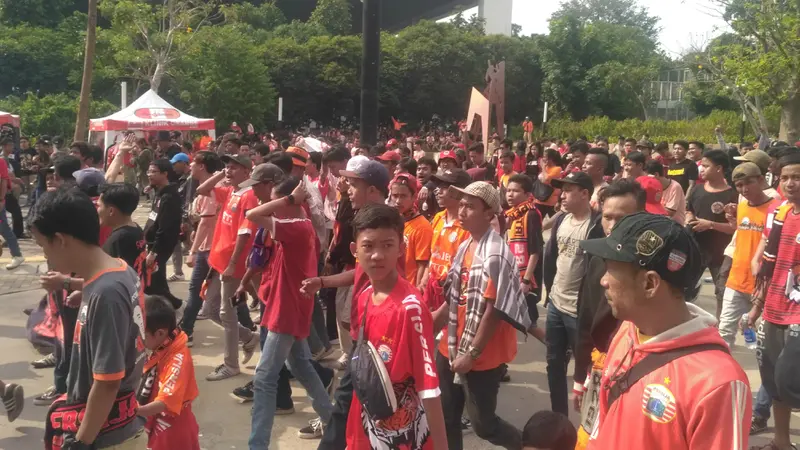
(290, 199)
(474, 353)
(525, 281)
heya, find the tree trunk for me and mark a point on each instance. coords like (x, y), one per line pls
(82, 123)
(790, 120)
(158, 75)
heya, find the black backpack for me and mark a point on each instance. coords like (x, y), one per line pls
(370, 378)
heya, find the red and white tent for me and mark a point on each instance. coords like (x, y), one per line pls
(151, 113)
(13, 119)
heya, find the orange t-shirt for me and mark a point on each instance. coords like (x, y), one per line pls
(545, 177)
(444, 245)
(176, 381)
(418, 234)
(502, 346)
(750, 223)
(504, 178)
(230, 225)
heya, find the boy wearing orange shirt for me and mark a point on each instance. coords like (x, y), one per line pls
(168, 385)
(417, 231)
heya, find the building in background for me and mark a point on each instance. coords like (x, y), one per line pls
(668, 94)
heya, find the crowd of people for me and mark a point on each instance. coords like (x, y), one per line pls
(422, 259)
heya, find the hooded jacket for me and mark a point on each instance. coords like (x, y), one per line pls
(699, 401)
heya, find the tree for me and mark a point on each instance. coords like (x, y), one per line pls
(146, 36)
(231, 84)
(616, 12)
(333, 15)
(266, 16)
(763, 61)
(82, 123)
(52, 114)
(44, 13)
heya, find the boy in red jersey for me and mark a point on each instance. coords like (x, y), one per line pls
(400, 327)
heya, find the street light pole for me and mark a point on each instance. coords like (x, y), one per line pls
(370, 67)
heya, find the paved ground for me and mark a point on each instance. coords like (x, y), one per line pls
(225, 424)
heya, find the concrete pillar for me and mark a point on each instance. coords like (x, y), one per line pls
(497, 14)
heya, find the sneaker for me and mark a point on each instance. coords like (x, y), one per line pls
(243, 394)
(284, 411)
(222, 372)
(45, 363)
(249, 348)
(47, 397)
(201, 316)
(15, 262)
(506, 377)
(708, 280)
(342, 362)
(14, 401)
(175, 277)
(322, 354)
(314, 430)
(466, 426)
(190, 341)
(758, 425)
(28, 311)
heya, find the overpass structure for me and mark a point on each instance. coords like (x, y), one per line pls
(397, 14)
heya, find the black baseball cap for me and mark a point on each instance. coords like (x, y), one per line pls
(652, 242)
(581, 179)
(455, 177)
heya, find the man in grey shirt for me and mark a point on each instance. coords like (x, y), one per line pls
(108, 343)
(564, 268)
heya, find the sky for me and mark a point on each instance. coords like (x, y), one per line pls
(684, 23)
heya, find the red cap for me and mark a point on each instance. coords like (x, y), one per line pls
(391, 142)
(406, 179)
(653, 189)
(391, 155)
(448, 154)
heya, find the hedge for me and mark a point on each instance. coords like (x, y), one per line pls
(699, 128)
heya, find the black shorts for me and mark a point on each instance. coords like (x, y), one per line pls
(778, 355)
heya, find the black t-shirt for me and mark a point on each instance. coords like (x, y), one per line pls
(614, 165)
(711, 206)
(683, 172)
(128, 244)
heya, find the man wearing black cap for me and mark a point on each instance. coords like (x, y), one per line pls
(647, 399)
(564, 267)
(162, 228)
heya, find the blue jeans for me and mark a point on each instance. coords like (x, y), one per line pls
(8, 234)
(193, 305)
(763, 404)
(277, 349)
(561, 330)
(318, 337)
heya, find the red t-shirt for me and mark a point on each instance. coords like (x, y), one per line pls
(782, 305)
(287, 311)
(401, 329)
(230, 225)
(4, 175)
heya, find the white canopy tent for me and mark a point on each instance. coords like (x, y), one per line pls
(9, 118)
(149, 113)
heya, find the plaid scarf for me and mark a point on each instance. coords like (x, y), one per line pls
(494, 261)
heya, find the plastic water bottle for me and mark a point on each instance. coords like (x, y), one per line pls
(749, 334)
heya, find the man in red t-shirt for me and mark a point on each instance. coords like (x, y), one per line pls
(5, 228)
(233, 238)
(777, 295)
(287, 313)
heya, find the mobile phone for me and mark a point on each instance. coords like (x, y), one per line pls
(236, 300)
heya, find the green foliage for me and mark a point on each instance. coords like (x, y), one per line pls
(333, 16)
(703, 97)
(221, 74)
(53, 113)
(44, 13)
(701, 128)
(266, 16)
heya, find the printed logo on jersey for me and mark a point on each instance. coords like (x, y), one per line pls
(717, 207)
(793, 284)
(453, 237)
(385, 352)
(797, 239)
(407, 429)
(658, 403)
